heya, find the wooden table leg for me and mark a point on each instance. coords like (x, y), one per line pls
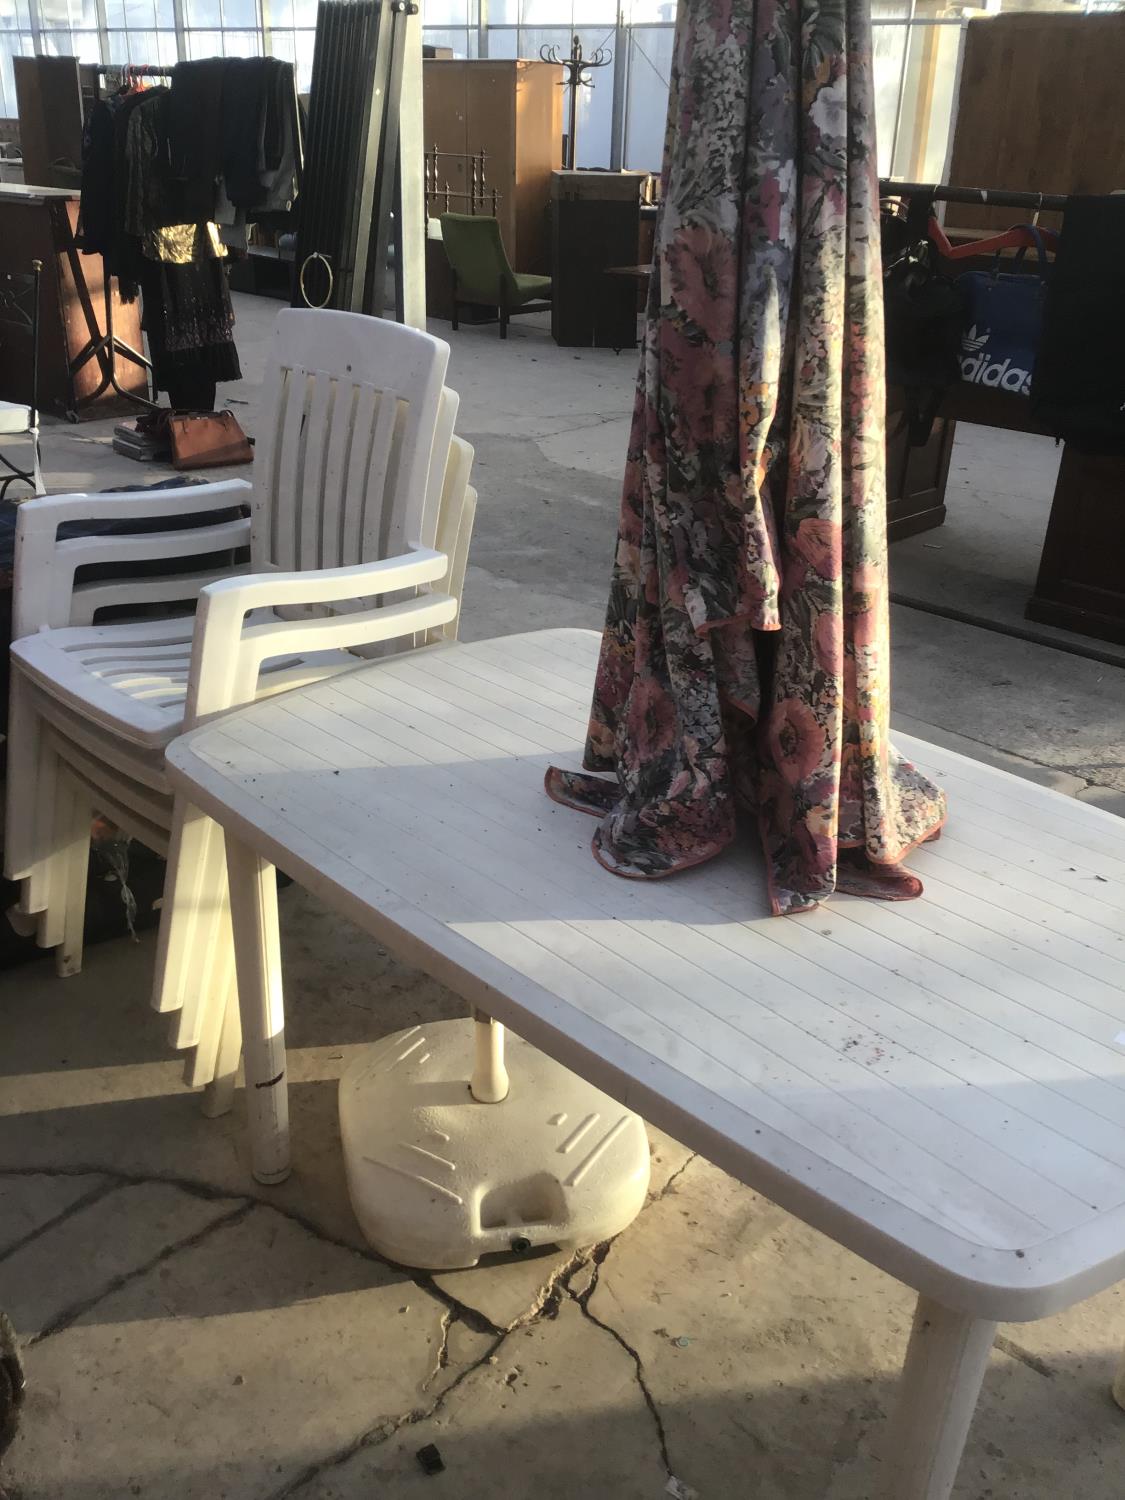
(941, 1380)
(257, 956)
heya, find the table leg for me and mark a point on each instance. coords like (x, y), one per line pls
(257, 956)
(1119, 1384)
(941, 1380)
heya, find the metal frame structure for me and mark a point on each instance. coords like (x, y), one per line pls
(11, 295)
(481, 33)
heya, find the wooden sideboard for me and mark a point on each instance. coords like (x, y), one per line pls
(1081, 582)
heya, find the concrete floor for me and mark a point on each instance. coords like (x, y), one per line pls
(188, 1334)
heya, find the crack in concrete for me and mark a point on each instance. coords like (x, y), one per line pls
(586, 424)
(472, 1317)
(669, 1186)
(384, 1430)
(448, 1319)
(70, 1315)
(99, 1191)
(581, 427)
(582, 1299)
(549, 1297)
(466, 1314)
(545, 1305)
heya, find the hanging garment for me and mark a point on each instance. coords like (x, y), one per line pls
(189, 321)
(260, 140)
(745, 660)
(195, 136)
(105, 186)
(244, 108)
(95, 212)
(151, 199)
(1078, 389)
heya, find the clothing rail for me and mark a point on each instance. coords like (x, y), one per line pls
(108, 346)
(133, 70)
(985, 197)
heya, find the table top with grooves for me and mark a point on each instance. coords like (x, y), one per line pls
(939, 1084)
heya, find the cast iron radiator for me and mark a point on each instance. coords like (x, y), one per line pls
(352, 153)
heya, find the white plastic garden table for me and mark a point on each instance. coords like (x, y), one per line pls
(938, 1085)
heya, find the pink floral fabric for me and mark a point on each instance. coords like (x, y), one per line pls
(745, 664)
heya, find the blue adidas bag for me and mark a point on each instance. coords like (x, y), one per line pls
(1003, 324)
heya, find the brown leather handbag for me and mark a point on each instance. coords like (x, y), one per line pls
(208, 440)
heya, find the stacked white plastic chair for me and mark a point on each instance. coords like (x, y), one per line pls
(361, 514)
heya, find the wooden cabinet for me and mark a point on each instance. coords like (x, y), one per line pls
(916, 476)
(1080, 585)
(596, 219)
(512, 112)
(1039, 110)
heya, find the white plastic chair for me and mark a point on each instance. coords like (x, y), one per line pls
(19, 310)
(356, 538)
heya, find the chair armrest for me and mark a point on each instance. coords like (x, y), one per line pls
(227, 653)
(46, 564)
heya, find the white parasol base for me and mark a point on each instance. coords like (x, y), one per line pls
(439, 1176)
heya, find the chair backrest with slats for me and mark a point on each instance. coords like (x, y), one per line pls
(343, 459)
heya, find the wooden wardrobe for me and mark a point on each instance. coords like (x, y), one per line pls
(1039, 110)
(511, 110)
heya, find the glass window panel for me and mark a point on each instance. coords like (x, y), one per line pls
(12, 44)
(889, 43)
(141, 47)
(296, 47)
(279, 15)
(14, 16)
(205, 44)
(595, 12)
(81, 44)
(203, 13)
(532, 38)
(283, 45)
(153, 48)
(648, 12)
(595, 104)
(503, 41)
(240, 13)
(503, 12)
(304, 13)
(445, 13)
(927, 102)
(242, 43)
(68, 15)
(948, 42)
(548, 13)
(463, 42)
(139, 14)
(650, 65)
(306, 46)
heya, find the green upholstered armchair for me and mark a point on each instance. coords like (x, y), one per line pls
(482, 273)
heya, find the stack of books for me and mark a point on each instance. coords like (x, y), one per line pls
(132, 441)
